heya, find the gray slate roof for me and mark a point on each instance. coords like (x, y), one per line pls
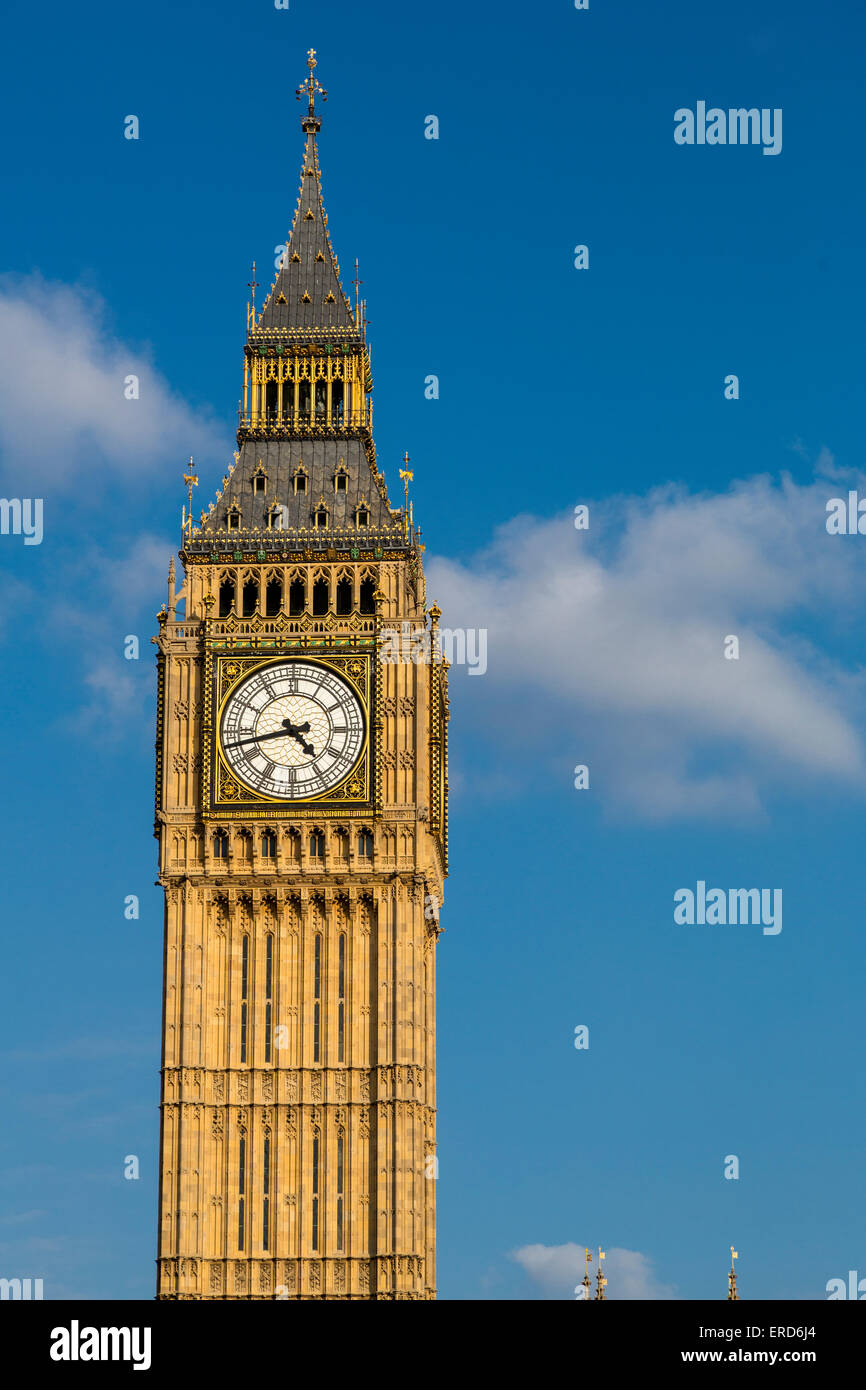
(317, 278)
(321, 459)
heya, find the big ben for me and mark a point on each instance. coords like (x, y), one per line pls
(301, 817)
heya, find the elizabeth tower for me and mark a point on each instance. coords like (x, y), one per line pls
(301, 819)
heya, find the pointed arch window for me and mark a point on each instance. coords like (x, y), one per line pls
(321, 598)
(245, 976)
(341, 1004)
(227, 597)
(233, 518)
(242, 1184)
(266, 1192)
(344, 596)
(297, 598)
(317, 996)
(321, 518)
(365, 844)
(269, 844)
(299, 478)
(340, 1172)
(341, 480)
(250, 597)
(269, 985)
(367, 602)
(221, 844)
(315, 1212)
(273, 597)
(362, 516)
(317, 844)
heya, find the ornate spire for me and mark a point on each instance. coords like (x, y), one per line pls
(307, 292)
(733, 1296)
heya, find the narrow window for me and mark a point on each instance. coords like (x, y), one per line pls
(227, 597)
(269, 844)
(245, 961)
(297, 598)
(300, 482)
(251, 598)
(316, 1193)
(340, 1142)
(304, 400)
(317, 995)
(341, 1007)
(367, 590)
(221, 844)
(344, 596)
(260, 481)
(337, 400)
(233, 519)
(266, 1194)
(362, 517)
(242, 1178)
(365, 844)
(320, 519)
(269, 971)
(273, 597)
(342, 482)
(271, 398)
(317, 844)
(321, 597)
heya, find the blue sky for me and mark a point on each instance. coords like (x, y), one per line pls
(557, 387)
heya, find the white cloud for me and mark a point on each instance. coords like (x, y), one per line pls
(62, 405)
(559, 1269)
(606, 647)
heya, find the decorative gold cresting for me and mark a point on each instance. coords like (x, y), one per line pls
(312, 85)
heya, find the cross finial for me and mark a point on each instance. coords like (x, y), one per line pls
(311, 87)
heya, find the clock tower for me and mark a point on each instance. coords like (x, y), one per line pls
(302, 825)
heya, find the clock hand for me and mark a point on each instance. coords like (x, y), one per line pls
(288, 730)
(257, 738)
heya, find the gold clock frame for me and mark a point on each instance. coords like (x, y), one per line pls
(226, 797)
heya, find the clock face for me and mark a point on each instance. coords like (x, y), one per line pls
(292, 730)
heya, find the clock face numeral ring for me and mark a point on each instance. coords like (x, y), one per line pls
(292, 730)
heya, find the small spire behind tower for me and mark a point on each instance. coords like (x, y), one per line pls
(586, 1282)
(191, 480)
(408, 476)
(733, 1296)
(600, 1280)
